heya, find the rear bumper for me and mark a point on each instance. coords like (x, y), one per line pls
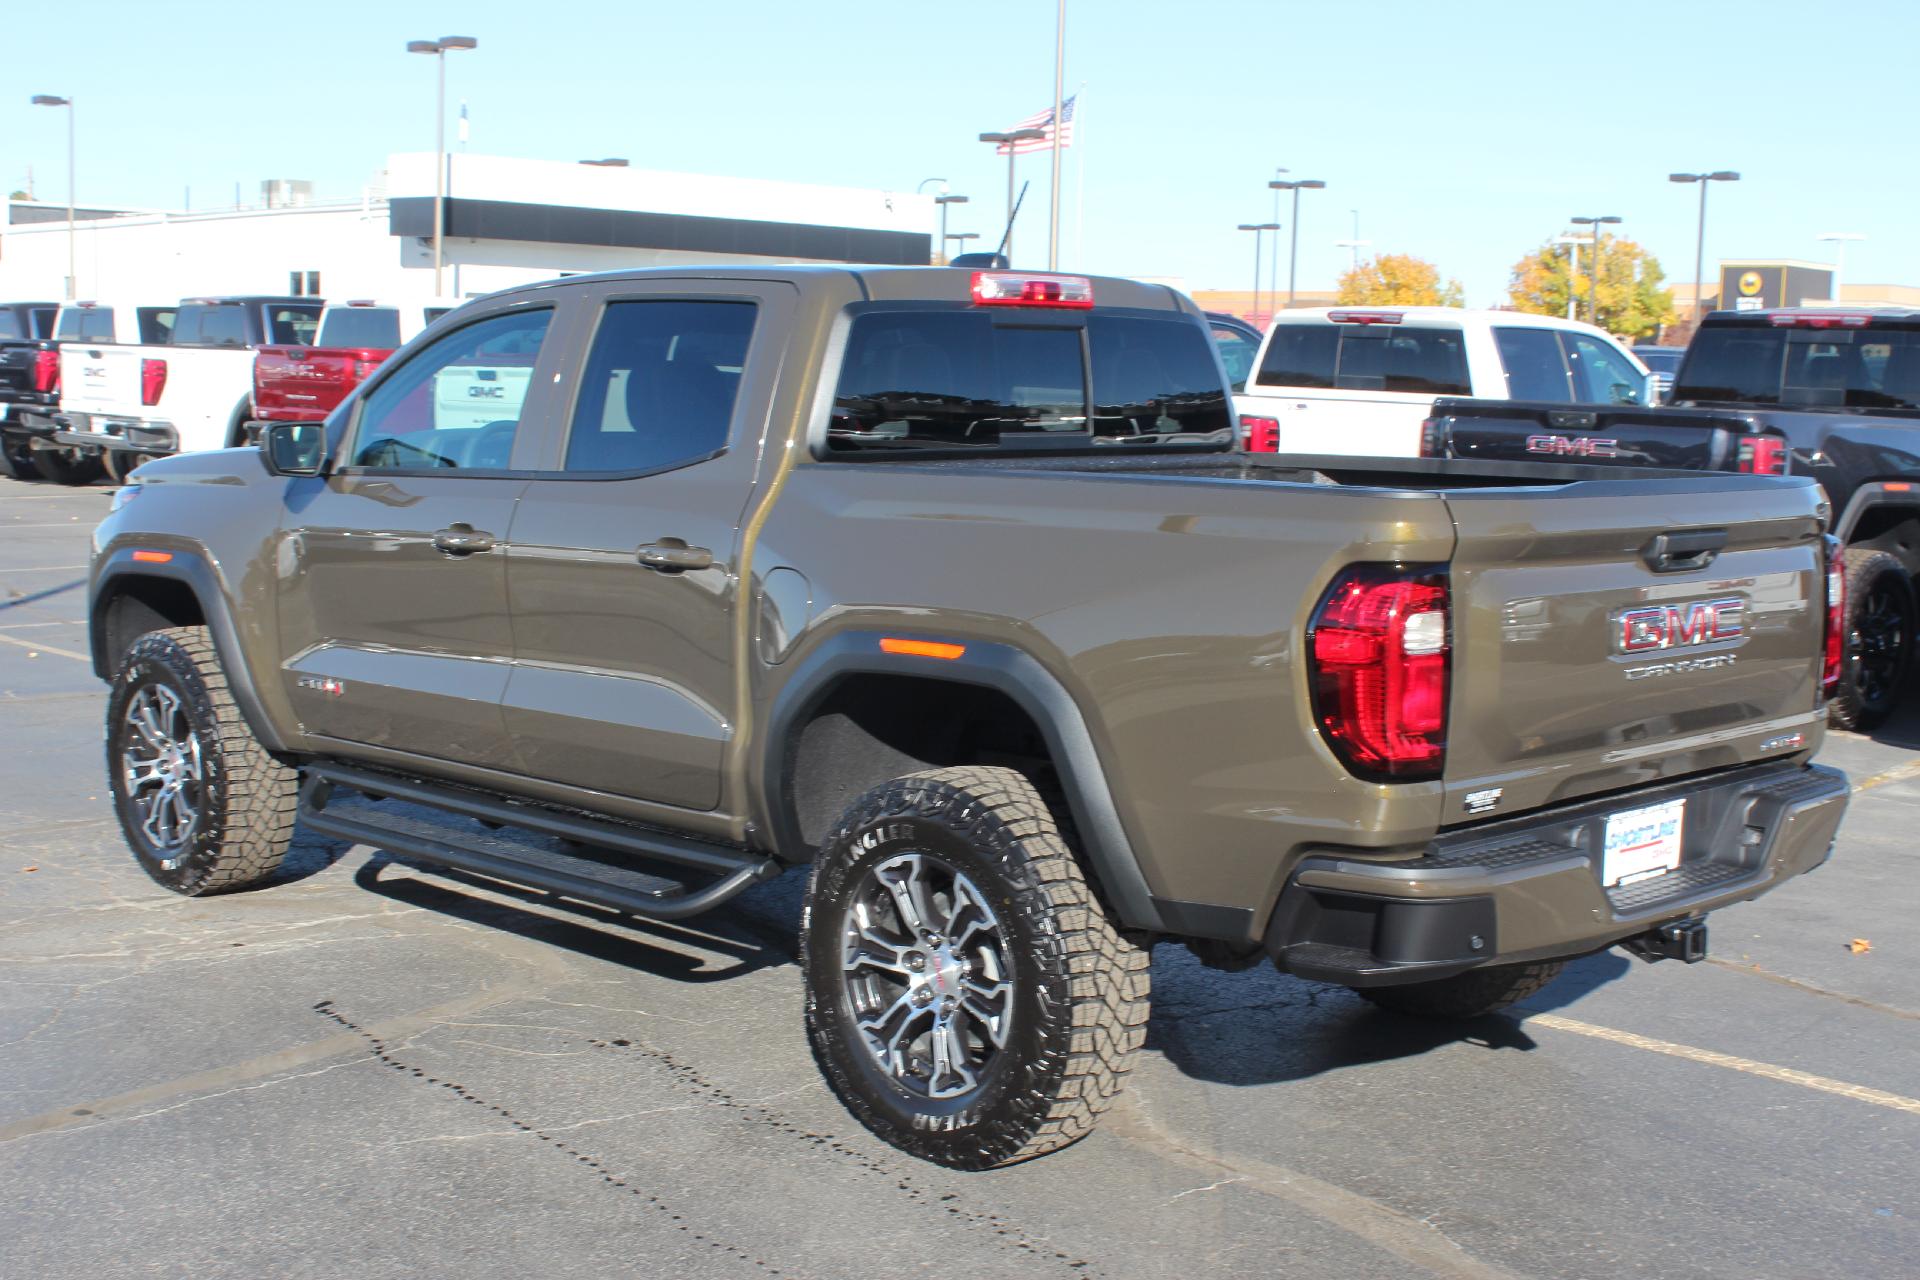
(97, 432)
(1530, 888)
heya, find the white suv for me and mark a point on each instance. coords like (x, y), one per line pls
(1361, 380)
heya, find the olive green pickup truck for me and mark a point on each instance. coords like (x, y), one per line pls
(638, 589)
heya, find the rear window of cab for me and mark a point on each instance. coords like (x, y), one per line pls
(1419, 359)
(964, 379)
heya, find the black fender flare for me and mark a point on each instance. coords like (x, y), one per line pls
(1878, 493)
(197, 573)
(1013, 672)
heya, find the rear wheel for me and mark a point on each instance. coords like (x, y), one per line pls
(1880, 619)
(967, 998)
(65, 465)
(18, 451)
(119, 464)
(204, 807)
(1466, 995)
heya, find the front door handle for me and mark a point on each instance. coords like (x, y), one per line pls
(463, 540)
(671, 555)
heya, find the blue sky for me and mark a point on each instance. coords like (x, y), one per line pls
(1464, 132)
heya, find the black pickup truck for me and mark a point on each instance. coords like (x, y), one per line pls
(1834, 395)
(24, 329)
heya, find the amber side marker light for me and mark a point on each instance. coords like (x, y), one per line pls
(153, 557)
(922, 648)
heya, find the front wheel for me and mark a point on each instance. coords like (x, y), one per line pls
(204, 807)
(1466, 995)
(1880, 616)
(967, 998)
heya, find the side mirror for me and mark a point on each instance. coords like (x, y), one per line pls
(294, 448)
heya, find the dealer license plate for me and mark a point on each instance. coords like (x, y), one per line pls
(1642, 843)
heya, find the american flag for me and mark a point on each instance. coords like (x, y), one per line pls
(1042, 120)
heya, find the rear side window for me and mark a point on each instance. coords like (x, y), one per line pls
(294, 326)
(156, 324)
(1535, 367)
(377, 328)
(1741, 365)
(1301, 355)
(965, 379)
(42, 321)
(1236, 354)
(660, 385)
(1400, 358)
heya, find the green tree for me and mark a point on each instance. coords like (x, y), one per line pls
(1633, 301)
(1398, 280)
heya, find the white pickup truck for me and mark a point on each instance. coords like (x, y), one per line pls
(1361, 380)
(125, 404)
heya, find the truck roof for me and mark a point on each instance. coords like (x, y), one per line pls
(890, 282)
(1816, 317)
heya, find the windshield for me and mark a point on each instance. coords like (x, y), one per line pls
(1858, 369)
(1662, 360)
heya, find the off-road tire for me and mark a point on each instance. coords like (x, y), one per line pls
(67, 466)
(1879, 631)
(1080, 989)
(18, 452)
(1466, 995)
(248, 799)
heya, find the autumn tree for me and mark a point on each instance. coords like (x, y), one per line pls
(1398, 280)
(1632, 301)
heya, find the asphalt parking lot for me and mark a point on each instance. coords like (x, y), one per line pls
(373, 1070)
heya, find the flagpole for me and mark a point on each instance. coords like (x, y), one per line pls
(1059, 84)
(1080, 176)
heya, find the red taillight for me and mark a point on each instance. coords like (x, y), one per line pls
(1021, 289)
(1262, 435)
(363, 369)
(1430, 438)
(1379, 653)
(153, 380)
(46, 371)
(1762, 456)
(1364, 317)
(1836, 649)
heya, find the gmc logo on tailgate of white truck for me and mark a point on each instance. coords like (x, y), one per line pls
(1674, 626)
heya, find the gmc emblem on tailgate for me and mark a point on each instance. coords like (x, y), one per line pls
(1574, 446)
(1674, 626)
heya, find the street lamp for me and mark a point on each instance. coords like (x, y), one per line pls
(1273, 267)
(439, 49)
(1839, 239)
(943, 202)
(1700, 237)
(1593, 272)
(1010, 141)
(1573, 244)
(1257, 228)
(48, 100)
(1293, 253)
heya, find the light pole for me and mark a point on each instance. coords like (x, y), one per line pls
(943, 202)
(1700, 237)
(1593, 271)
(1273, 268)
(1573, 244)
(1293, 253)
(1011, 140)
(48, 100)
(962, 237)
(1356, 244)
(1257, 228)
(1839, 239)
(439, 49)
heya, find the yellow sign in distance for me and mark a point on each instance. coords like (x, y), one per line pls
(1750, 283)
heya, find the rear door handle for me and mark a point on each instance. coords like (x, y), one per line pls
(463, 540)
(671, 555)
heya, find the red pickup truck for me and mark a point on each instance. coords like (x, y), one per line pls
(303, 384)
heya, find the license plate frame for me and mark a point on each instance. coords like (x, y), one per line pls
(1642, 843)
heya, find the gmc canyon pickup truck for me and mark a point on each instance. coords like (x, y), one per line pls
(1834, 395)
(954, 586)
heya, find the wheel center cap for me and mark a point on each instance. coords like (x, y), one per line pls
(941, 977)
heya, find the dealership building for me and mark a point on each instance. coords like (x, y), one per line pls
(507, 222)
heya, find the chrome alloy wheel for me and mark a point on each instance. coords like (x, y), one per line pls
(162, 771)
(929, 985)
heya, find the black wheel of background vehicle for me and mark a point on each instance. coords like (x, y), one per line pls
(967, 997)
(119, 464)
(64, 465)
(1880, 614)
(18, 452)
(1466, 995)
(204, 806)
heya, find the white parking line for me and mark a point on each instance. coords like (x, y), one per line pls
(1767, 1070)
(49, 568)
(45, 648)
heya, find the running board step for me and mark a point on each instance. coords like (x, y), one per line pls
(517, 853)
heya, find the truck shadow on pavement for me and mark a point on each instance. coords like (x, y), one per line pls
(1266, 1027)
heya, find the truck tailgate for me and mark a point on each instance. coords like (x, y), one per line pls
(102, 379)
(1579, 667)
(1529, 431)
(298, 384)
